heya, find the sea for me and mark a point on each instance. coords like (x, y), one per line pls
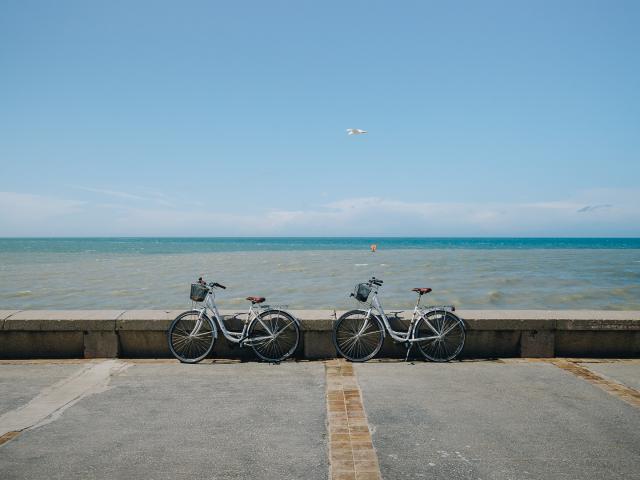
(319, 273)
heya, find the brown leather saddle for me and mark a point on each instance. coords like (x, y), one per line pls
(421, 291)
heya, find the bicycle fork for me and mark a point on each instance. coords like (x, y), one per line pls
(197, 326)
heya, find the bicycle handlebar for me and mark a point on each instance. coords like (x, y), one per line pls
(212, 284)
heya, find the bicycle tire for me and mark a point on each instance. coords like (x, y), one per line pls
(452, 335)
(347, 334)
(283, 345)
(182, 345)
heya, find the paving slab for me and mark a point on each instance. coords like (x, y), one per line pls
(21, 383)
(168, 421)
(622, 372)
(491, 420)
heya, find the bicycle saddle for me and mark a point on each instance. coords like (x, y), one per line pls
(421, 291)
(256, 299)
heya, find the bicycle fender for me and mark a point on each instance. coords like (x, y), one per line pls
(443, 309)
(275, 310)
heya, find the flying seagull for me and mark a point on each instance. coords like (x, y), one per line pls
(355, 131)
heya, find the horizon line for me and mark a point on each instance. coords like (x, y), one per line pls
(63, 237)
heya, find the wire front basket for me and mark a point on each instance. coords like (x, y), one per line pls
(198, 292)
(362, 291)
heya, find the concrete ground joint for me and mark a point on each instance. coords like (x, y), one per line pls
(623, 392)
(52, 401)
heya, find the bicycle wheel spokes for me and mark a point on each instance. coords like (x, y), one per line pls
(358, 337)
(274, 336)
(442, 337)
(188, 344)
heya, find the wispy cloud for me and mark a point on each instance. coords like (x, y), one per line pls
(29, 206)
(146, 196)
(593, 208)
(26, 214)
(111, 193)
(363, 216)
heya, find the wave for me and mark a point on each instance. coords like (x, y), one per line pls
(19, 294)
(123, 293)
(495, 296)
(627, 291)
(473, 280)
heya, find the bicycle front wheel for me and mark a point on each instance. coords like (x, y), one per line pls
(442, 335)
(358, 337)
(190, 339)
(274, 335)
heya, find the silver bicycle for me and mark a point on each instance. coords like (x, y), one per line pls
(272, 333)
(358, 334)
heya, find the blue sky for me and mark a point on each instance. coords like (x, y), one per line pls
(228, 118)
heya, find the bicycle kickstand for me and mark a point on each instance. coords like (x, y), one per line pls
(406, 358)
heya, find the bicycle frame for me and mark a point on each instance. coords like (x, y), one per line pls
(400, 336)
(209, 306)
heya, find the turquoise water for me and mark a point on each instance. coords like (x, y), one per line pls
(230, 244)
(473, 273)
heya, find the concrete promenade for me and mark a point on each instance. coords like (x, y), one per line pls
(490, 334)
(226, 419)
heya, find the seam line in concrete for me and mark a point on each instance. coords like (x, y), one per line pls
(627, 394)
(4, 320)
(14, 313)
(115, 323)
(7, 437)
(351, 452)
(52, 401)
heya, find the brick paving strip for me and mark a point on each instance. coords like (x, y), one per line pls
(629, 395)
(351, 452)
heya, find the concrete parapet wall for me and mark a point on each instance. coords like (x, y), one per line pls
(490, 333)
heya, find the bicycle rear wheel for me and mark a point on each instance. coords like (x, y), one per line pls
(358, 337)
(186, 344)
(443, 334)
(274, 335)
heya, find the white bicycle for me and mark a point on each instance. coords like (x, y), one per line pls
(358, 334)
(272, 333)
